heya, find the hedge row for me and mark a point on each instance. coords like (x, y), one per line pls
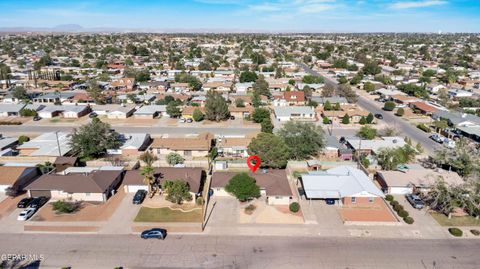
(399, 209)
(424, 127)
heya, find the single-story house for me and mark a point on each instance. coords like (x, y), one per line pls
(353, 111)
(17, 177)
(348, 185)
(333, 149)
(150, 111)
(240, 112)
(187, 147)
(47, 144)
(273, 185)
(195, 177)
(94, 186)
(54, 97)
(187, 112)
(411, 178)
(374, 145)
(457, 119)
(233, 146)
(66, 111)
(302, 113)
(114, 111)
(133, 145)
(7, 110)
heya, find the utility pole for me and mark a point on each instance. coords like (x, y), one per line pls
(58, 145)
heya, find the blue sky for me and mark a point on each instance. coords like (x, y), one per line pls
(272, 15)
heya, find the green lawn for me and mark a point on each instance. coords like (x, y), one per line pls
(455, 221)
(165, 214)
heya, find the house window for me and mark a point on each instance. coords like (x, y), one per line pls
(187, 153)
(370, 199)
(354, 200)
(87, 194)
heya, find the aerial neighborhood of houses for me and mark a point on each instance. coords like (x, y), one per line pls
(150, 130)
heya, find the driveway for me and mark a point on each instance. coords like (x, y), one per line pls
(121, 220)
(222, 212)
(424, 222)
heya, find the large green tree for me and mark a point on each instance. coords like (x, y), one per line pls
(177, 191)
(271, 149)
(93, 139)
(216, 108)
(243, 187)
(303, 139)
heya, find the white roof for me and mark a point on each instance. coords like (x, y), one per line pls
(150, 109)
(71, 108)
(376, 144)
(46, 144)
(339, 182)
(134, 141)
(11, 107)
(6, 141)
(287, 111)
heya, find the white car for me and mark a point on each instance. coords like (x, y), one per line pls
(26, 214)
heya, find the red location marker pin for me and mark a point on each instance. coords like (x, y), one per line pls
(253, 166)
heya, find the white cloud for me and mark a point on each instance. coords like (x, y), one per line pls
(417, 4)
(295, 7)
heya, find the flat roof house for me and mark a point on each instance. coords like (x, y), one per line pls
(150, 111)
(66, 111)
(373, 146)
(94, 186)
(114, 111)
(413, 177)
(301, 113)
(46, 144)
(273, 185)
(7, 110)
(133, 145)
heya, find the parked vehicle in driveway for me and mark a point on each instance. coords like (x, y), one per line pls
(379, 116)
(330, 201)
(139, 197)
(38, 202)
(189, 120)
(157, 233)
(415, 201)
(232, 117)
(24, 203)
(436, 138)
(36, 118)
(93, 115)
(26, 214)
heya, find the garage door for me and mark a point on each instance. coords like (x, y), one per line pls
(135, 188)
(40, 193)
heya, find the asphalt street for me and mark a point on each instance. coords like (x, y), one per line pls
(153, 130)
(198, 251)
(399, 124)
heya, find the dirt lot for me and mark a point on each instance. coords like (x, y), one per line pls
(88, 212)
(367, 214)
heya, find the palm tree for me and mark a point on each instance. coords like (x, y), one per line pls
(148, 173)
(148, 170)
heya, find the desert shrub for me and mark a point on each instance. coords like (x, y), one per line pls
(10, 123)
(389, 106)
(475, 232)
(199, 201)
(249, 209)
(65, 207)
(389, 197)
(408, 220)
(394, 203)
(403, 213)
(455, 232)
(294, 207)
(424, 127)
